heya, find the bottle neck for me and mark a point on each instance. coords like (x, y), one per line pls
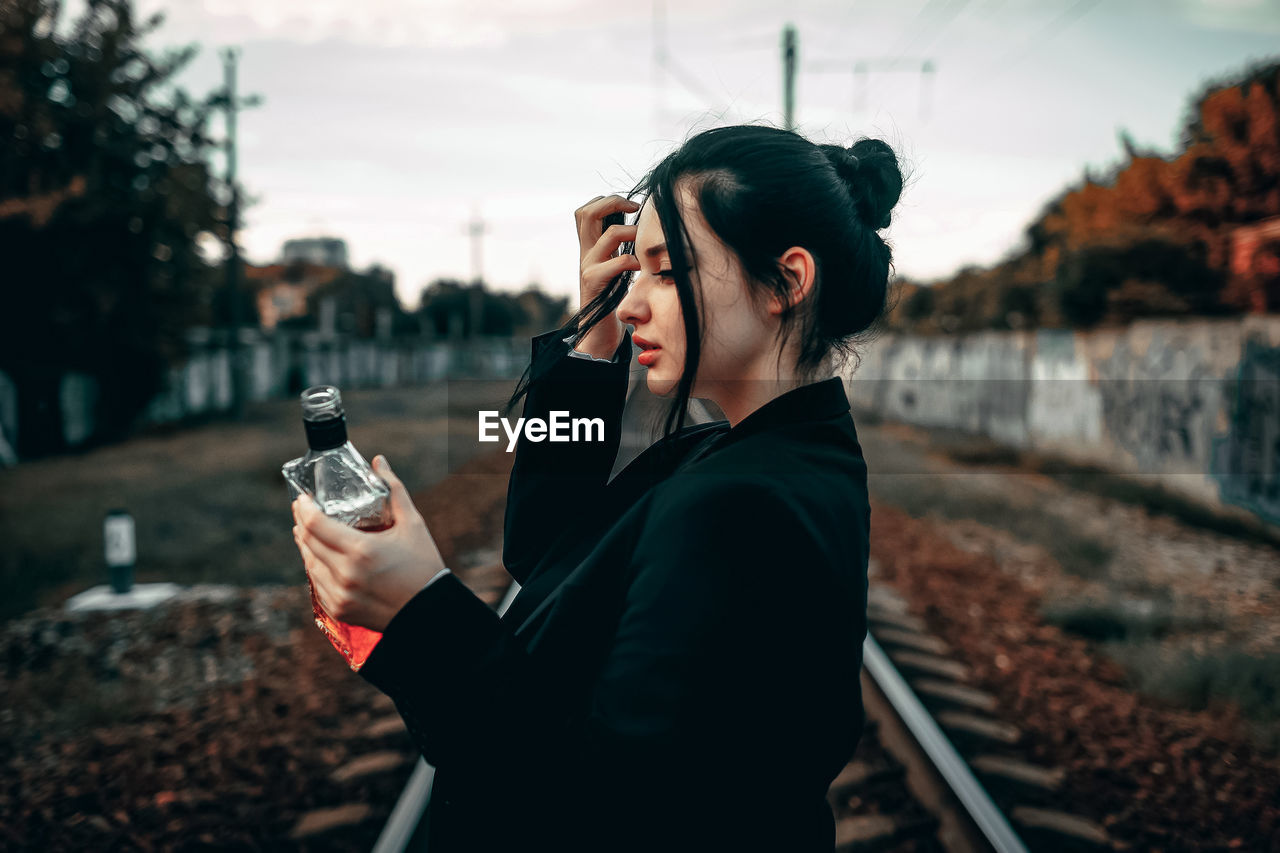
(326, 434)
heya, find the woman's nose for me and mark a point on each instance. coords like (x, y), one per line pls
(632, 309)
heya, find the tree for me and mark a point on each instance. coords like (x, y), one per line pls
(1150, 236)
(104, 190)
(919, 305)
(448, 307)
(1226, 174)
(445, 308)
(357, 299)
(1119, 283)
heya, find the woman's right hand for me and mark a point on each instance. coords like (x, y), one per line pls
(598, 267)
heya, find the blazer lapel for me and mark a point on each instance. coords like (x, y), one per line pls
(654, 464)
(814, 402)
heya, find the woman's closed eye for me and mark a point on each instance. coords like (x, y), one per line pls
(670, 274)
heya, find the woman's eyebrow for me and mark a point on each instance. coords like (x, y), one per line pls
(655, 250)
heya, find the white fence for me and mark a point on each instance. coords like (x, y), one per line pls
(275, 366)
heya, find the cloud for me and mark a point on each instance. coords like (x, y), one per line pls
(1247, 16)
(439, 24)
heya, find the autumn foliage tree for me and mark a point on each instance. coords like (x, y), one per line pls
(1153, 237)
(1226, 175)
(104, 191)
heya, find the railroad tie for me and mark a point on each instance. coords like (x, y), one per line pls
(1035, 775)
(921, 642)
(858, 775)
(385, 726)
(886, 598)
(930, 664)
(966, 727)
(904, 621)
(1048, 829)
(368, 765)
(859, 833)
(320, 821)
(957, 694)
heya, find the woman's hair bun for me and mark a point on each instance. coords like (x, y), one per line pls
(869, 170)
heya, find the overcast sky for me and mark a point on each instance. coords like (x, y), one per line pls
(389, 122)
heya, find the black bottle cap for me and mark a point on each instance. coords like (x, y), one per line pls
(326, 434)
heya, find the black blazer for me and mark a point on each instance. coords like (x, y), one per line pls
(680, 670)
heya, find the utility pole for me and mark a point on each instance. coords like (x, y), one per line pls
(233, 104)
(229, 58)
(476, 229)
(862, 67)
(659, 62)
(790, 50)
(926, 88)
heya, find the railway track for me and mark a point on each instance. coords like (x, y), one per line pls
(936, 769)
(962, 762)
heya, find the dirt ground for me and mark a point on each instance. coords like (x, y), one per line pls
(221, 720)
(209, 502)
(177, 724)
(1152, 589)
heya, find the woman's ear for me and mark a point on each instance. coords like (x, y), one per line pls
(800, 270)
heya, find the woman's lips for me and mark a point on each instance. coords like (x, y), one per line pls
(650, 350)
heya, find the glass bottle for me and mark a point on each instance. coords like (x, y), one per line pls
(345, 487)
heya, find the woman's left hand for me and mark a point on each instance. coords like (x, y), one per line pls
(364, 578)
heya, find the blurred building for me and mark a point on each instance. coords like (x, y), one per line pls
(313, 286)
(320, 251)
(284, 289)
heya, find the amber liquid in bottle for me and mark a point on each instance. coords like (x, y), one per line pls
(353, 642)
(345, 487)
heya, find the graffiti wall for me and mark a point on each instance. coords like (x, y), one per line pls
(1246, 459)
(1193, 405)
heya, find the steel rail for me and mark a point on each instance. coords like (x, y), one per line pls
(412, 803)
(953, 769)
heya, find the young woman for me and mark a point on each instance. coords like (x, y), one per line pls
(680, 670)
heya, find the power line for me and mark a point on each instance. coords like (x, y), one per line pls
(1068, 17)
(951, 10)
(908, 37)
(862, 67)
(949, 14)
(1033, 45)
(664, 66)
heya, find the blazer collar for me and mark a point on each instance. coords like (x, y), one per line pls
(815, 401)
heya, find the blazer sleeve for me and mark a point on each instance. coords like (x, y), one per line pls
(651, 742)
(572, 341)
(545, 472)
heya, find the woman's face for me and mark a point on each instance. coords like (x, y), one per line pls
(737, 336)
